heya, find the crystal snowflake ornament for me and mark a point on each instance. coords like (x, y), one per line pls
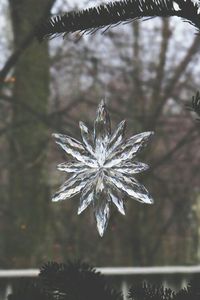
(103, 167)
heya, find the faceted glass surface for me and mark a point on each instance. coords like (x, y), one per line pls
(103, 166)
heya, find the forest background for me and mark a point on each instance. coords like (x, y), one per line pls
(148, 71)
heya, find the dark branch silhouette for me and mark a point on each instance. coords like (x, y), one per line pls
(79, 281)
(106, 15)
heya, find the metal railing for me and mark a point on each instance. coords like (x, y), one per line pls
(124, 272)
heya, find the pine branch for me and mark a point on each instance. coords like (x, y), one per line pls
(76, 281)
(29, 291)
(195, 104)
(71, 281)
(114, 13)
(146, 291)
(79, 281)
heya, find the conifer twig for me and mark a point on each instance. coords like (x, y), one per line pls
(113, 13)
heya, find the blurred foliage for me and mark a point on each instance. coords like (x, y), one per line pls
(79, 281)
(70, 281)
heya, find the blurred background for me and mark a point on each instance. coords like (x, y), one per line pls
(148, 71)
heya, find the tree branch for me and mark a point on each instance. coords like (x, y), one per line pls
(12, 60)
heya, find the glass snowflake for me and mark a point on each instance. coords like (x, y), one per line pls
(103, 166)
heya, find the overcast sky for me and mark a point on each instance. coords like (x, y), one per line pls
(5, 34)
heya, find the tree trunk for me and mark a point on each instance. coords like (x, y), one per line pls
(28, 203)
